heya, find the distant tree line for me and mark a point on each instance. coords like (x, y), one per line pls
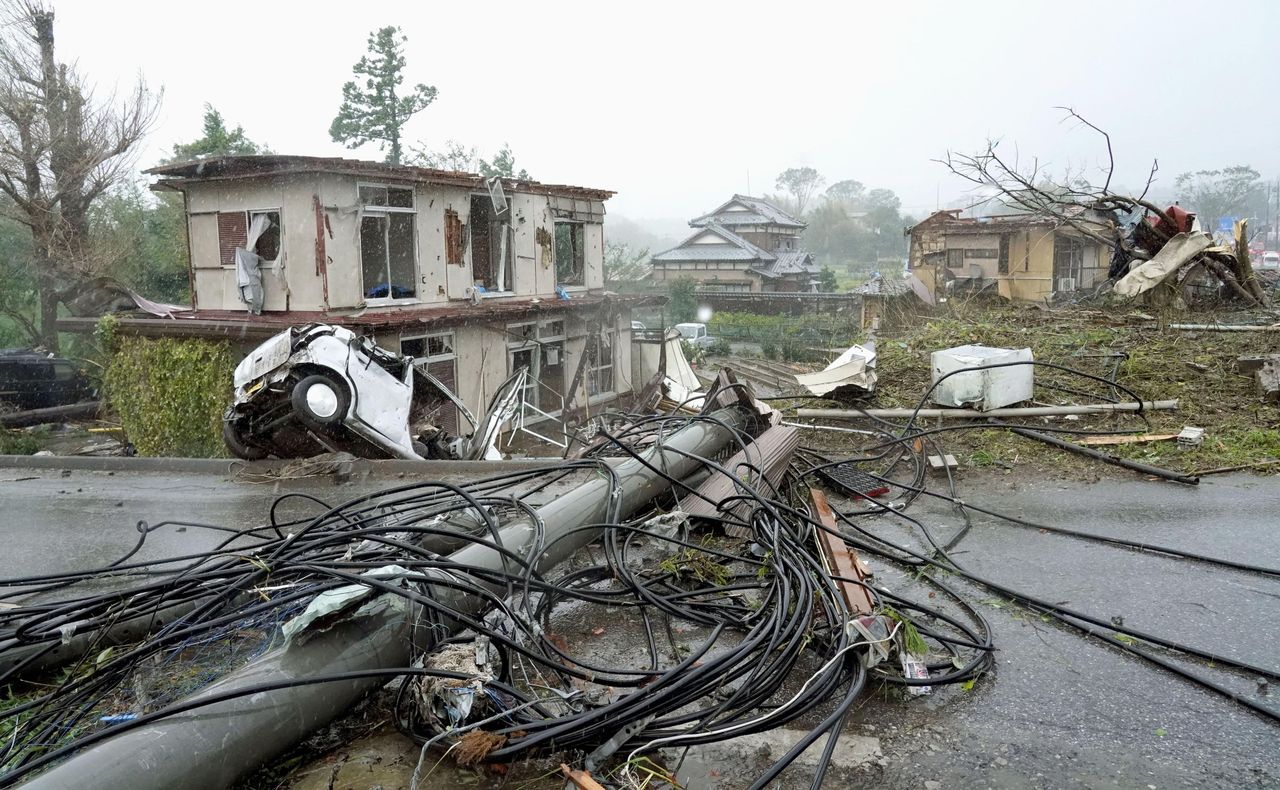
(850, 228)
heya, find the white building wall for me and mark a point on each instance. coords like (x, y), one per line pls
(304, 284)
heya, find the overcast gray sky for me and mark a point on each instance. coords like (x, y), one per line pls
(674, 104)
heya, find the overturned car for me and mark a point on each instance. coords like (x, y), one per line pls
(321, 388)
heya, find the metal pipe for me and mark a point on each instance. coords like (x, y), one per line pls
(1115, 460)
(1227, 327)
(213, 745)
(969, 414)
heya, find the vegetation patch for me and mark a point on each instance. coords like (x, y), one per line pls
(1133, 349)
(170, 394)
(18, 442)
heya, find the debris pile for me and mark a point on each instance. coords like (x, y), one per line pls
(1168, 247)
(727, 594)
(455, 590)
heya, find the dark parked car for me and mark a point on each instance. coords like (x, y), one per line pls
(34, 380)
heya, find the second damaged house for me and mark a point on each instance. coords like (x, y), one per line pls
(1022, 257)
(473, 278)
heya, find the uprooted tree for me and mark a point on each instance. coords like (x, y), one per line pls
(60, 149)
(1133, 227)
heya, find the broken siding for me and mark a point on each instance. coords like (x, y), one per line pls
(457, 276)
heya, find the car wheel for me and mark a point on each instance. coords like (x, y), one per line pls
(235, 442)
(319, 400)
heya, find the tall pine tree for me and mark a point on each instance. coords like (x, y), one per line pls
(373, 109)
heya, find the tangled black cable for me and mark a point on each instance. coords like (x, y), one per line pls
(761, 614)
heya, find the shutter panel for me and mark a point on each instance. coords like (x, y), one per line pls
(233, 231)
(446, 371)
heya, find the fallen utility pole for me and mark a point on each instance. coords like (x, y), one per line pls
(273, 702)
(970, 414)
(1146, 469)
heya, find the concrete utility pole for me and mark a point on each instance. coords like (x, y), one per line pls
(210, 746)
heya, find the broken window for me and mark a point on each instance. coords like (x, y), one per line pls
(1068, 263)
(1004, 254)
(388, 250)
(267, 244)
(600, 373)
(491, 246)
(428, 348)
(540, 347)
(435, 355)
(236, 227)
(571, 255)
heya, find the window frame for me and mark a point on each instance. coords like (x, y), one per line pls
(248, 222)
(427, 337)
(594, 367)
(366, 210)
(578, 231)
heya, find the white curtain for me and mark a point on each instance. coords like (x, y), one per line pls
(249, 266)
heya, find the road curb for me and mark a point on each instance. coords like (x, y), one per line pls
(226, 467)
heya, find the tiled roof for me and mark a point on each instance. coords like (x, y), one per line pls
(760, 212)
(732, 248)
(789, 263)
(879, 286)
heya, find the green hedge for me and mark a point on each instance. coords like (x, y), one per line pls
(170, 394)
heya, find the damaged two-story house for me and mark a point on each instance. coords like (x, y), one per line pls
(747, 245)
(474, 278)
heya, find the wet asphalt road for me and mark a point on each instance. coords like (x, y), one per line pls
(1064, 710)
(1060, 710)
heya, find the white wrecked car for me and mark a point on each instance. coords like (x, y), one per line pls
(322, 388)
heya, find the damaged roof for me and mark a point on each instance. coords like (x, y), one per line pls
(789, 263)
(242, 325)
(221, 168)
(758, 212)
(949, 220)
(878, 285)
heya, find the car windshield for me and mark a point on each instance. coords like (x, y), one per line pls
(689, 331)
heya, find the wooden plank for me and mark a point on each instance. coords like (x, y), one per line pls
(844, 561)
(1130, 439)
(580, 779)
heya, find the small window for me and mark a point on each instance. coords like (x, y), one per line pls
(955, 259)
(431, 348)
(383, 196)
(571, 253)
